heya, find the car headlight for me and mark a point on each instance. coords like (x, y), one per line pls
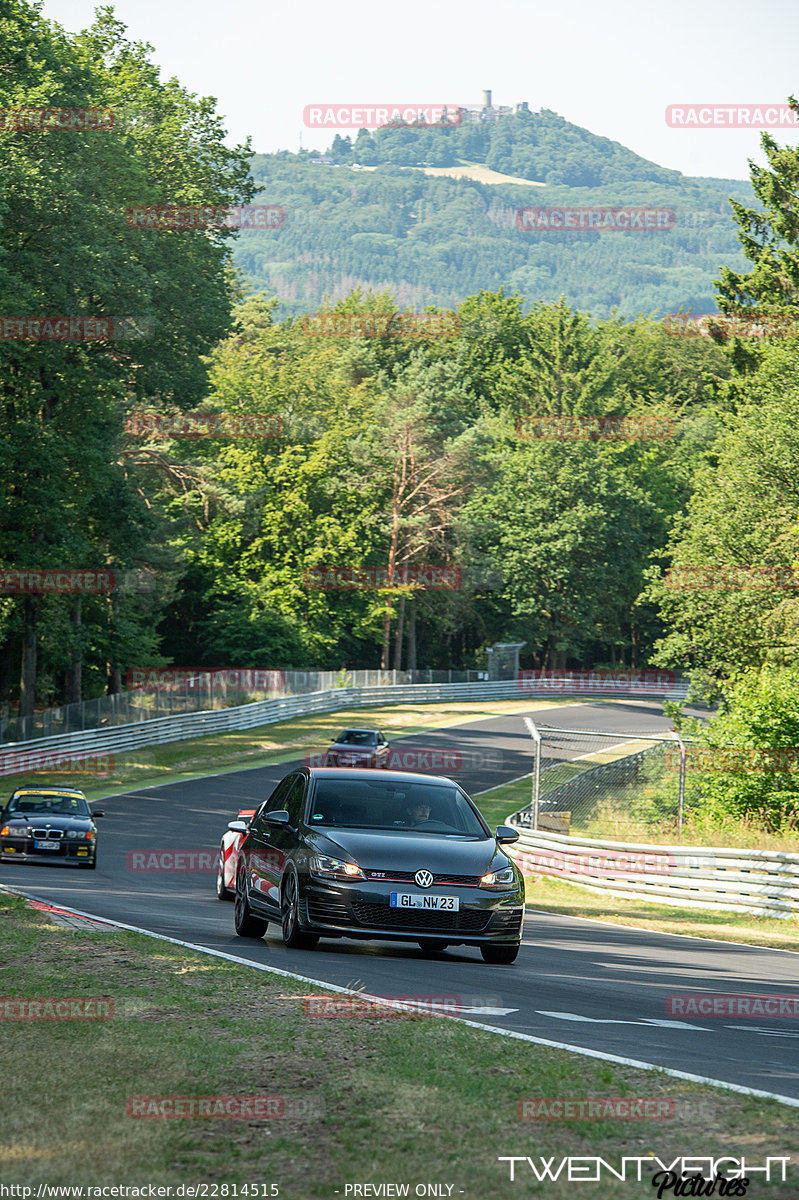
(72, 833)
(334, 868)
(498, 879)
(19, 831)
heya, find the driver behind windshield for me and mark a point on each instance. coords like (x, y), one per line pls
(62, 805)
(415, 814)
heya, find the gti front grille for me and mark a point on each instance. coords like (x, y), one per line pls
(465, 921)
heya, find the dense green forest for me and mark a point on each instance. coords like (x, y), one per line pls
(393, 453)
(369, 217)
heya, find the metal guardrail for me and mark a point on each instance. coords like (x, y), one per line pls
(122, 738)
(765, 882)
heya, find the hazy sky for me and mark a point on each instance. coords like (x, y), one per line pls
(611, 66)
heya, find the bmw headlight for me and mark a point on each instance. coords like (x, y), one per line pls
(324, 867)
(499, 879)
(20, 831)
(72, 833)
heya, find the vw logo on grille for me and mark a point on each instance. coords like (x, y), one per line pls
(423, 878)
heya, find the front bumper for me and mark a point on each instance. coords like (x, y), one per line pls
(71, 852)
(364, 911)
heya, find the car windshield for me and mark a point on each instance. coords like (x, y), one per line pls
(392, 804)
(357, 737)
(45, 806)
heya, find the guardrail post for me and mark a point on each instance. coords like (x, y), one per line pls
(536, 736)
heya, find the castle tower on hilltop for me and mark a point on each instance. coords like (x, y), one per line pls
(488, 112)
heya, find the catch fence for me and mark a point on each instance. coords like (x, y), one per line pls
(583, 777)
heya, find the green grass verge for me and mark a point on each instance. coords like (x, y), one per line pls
(403, 1100)
(557, 896)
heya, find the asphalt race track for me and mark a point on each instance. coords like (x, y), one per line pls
(579, 982)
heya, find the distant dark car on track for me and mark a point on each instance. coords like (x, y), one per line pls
(229, 853)
(49, 824)
(358, 748)
(391, 856)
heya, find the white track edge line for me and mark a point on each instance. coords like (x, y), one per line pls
(509, 1033)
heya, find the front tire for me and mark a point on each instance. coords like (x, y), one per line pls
(293, 937)
(499, 955)
(245, 923)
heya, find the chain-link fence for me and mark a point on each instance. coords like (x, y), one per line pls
(595, 782)
(171, 692)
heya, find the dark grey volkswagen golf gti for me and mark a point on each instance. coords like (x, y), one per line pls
(394, 856)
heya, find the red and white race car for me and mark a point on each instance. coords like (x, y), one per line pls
(229, 854)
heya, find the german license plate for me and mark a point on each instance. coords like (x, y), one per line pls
(413, 900)
(46, 845)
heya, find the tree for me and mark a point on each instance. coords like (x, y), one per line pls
(66, 249)
(421, 445)
(570, 538)
(770, 240)
(730, 599)
(750, 750)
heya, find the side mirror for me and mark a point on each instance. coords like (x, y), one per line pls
(98, 812)
(506, 833)
(238, 826)
(279, 817)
